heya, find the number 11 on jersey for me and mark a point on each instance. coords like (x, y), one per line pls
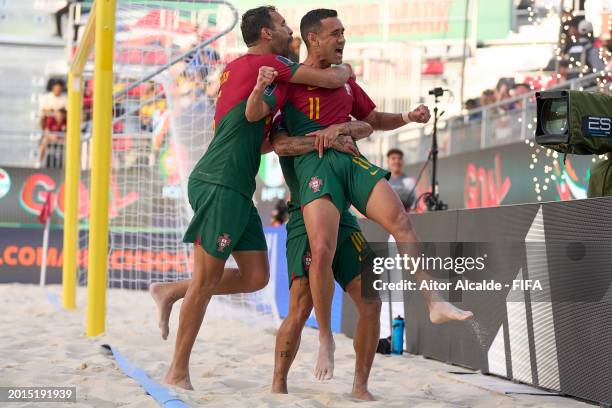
(314, 107)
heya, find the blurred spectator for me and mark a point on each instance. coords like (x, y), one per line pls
(502, 89)
(201, 62)
(118, 110)
(606, 43)
(569, 30)
(51, 150)
(517, 91)
(294, 49)
(56, 122)
(472, 104)
(606, 48)
(401, 184)
(561, 76)
(583, 55)
(150, 102)
(487, 97)
(58, 19)
(280, 214)
(52, 101)
(520, 89)
(87, 100)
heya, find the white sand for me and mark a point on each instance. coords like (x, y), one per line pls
(231, 365)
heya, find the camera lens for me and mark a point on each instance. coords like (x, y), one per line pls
(554, 116)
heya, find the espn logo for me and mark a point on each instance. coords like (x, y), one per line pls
(599, 126)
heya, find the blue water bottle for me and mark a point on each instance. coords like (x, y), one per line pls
(398, 335)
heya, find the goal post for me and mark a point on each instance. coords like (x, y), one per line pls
(72, 168)
(100, 171)
(155, 85)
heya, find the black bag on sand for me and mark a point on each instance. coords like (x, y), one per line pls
(384, 346)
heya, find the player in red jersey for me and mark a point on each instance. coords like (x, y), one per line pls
(222, 183)
(328, 184)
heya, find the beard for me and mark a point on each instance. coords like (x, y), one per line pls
(282, 47)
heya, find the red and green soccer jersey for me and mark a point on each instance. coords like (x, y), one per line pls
(337, 175)
(310, 108)
(233, 157)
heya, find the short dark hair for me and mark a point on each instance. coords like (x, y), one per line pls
(522, 84)
(253, 21)
(395, 151)
(311, 22)
(472, 103)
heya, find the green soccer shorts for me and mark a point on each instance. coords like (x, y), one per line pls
(223, 221)
(346, 265)
(358, 176)
(317, 179)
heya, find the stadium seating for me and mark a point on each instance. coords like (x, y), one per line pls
(30, 54)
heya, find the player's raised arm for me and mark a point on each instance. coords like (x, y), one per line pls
(289, 71)
(333, 77)
(390, 121)
(257, 108)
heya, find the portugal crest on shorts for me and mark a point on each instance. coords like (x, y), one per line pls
(306, 261)
(315, 184)
(223, 242)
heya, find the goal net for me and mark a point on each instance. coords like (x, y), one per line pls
(168, 58)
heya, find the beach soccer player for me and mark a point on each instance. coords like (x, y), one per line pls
(328, 184)
(222, 184)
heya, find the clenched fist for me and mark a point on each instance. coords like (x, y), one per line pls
(265, 77)
(420, 114)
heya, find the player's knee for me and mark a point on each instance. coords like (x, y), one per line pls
(322, 253)
(260, 278)
(303, 311)
(370, 310)
(401, 223)
(297, 315)
(206, 285)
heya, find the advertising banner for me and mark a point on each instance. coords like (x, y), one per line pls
(23, 192)
(511, 174)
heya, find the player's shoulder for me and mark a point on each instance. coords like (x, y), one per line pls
(238, 64)
(270, 59)
(352, 82)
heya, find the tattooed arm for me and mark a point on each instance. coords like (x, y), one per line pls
(325, 138)
(285, 145)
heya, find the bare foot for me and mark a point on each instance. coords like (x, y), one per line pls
(164, 303)
(441, 312)
(279, 387)
(325, 360)
(181, 381)
(362, 394)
